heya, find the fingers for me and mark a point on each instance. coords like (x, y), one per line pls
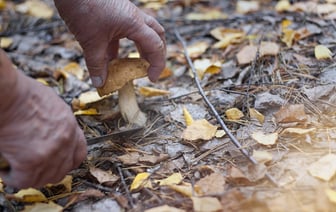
(151, 44)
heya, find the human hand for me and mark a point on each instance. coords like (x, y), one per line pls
(39, 136)
(98, 25)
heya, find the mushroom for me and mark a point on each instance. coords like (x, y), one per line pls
(121, 73)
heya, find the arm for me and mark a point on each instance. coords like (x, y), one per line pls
(98, 25)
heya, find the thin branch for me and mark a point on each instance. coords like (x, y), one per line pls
(214, 111)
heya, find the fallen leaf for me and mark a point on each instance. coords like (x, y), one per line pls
(150, 92)
(43, 81)
(213, 14)
(265, 139)
(141, 181)
(206, 66)
(186, 189)
(2, 4)
(247, 54)
(324, 168)
(86, 98)
(45, 207)
(257, 115)
(173, 179)
(206, 204)
(331, 194)
(30, 195)
(199, 129)
(234, 114)
(66, 182)
(227, 36)
(220, 133)
(269, 49)
(35, 8)
(282, 6)
(262, 156)
(87, 112)
(212, 184)
(166, 73)
(197, 49)
(289, 37)
(74, 69)
(291, 113)
(153, 159)
(187, 117)
(103, 176)
(1, 185)
(164, 208)
(322, 52)
(297, 131)
(129, 158)
(5, 42)
(245, 7)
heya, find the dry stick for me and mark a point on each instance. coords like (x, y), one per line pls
(122, 179)
(214, 111)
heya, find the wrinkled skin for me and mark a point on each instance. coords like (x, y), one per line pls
(39, 135)
(98, 25)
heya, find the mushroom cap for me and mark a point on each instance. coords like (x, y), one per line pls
(121, 71)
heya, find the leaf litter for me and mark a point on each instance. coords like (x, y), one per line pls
(267, 68)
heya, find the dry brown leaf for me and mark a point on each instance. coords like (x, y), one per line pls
(265, 139)
(227, 36)
(186, 189)
(234, 114)
(45, 207)
(150, 92)
(297, 131)
(291, 113)
(245, 7)
(74, 69)
(86, 98)
(130, 158)
(247, 54)
(212, 184)
(167, 72)
(153, 159)
(324, 168)
(164, 208)
(257, 115)
(197, 49)
(206, 204)
(103, 176)
(199, 129)
(66, 183)
(262, 156)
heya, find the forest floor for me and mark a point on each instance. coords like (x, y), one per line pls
(261, 138)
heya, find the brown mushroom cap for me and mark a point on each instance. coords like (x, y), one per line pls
(121, 71)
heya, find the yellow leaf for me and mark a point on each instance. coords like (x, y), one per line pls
(164, 208)
(227, 36)
(2, 4)
(204, 66)
(5, 42)
(74, 69)
(220, 133)
(186, 189)
(45, 207)
(282, 6)
(35, 8)
(257, 115)
(88, 112)
(206, 204)
(262, 156)
(134, 55)
(86, 98)
(265, 139)
(244, 7)
(234, 114)
(43, 81)
(322, 52)
(324, 168)
(187, 117)
(288, 37)
(286, 23)
(30, 195)
(140, 181)
(331, 194)
(165, 73)
(173, 179)
(199, 129)
(150, 92)
(66, 182)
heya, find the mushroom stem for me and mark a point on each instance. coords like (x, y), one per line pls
(128, 105)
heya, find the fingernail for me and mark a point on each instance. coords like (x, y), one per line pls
(97, 81)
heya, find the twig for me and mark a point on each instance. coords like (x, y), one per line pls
(128, 194)
(213, 110)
